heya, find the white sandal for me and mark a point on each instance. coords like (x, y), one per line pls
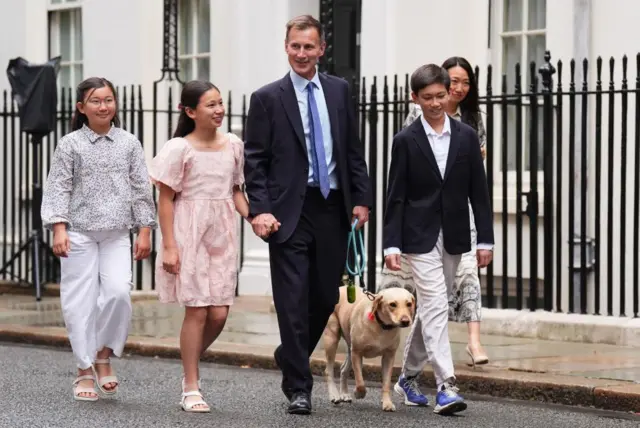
(77, 390)
(190, 407)
(184, 385)
(102, 381)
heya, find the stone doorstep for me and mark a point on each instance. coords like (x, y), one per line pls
(47, 290)
(610, 330)
(53, 290)
(544, 325)
(559, 389)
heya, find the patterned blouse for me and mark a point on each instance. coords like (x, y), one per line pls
(416, 111)
(98, 183)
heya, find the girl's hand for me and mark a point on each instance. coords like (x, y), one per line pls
(61, 243)
(483, 152)
(142, 247)
(171, 260)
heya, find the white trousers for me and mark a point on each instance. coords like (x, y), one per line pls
(95, 290)
(434, 275)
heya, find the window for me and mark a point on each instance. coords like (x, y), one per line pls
(65, 39)
(194, 29)
(523, 36)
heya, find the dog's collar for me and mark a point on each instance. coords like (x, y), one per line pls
(374, 315)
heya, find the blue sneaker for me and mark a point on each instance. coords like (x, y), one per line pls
(448, 401)
(408, 388)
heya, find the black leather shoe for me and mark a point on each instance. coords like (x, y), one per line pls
(300, 404)
(285, 390)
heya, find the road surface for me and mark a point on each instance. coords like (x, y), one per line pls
(36, 392)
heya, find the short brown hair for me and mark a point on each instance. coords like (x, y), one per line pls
(303, 22)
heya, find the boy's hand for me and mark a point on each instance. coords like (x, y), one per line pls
(484, 257)
(392, 261)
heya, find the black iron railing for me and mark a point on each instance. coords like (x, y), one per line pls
(563, 169)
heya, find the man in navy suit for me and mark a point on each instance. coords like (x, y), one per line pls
(306, 181)
(436, 167)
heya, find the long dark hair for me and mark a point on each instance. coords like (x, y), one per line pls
(91, 84)
(470, 106)
(190, 97)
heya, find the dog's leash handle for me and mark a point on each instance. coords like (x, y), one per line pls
(351, 290)
(358, 269)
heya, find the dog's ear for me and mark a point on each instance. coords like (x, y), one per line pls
(376, 303)
(413, 307)
(410, 288)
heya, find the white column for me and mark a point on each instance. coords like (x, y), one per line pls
(581, 50)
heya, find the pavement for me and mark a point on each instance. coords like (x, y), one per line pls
(150, 392)
(570, 373)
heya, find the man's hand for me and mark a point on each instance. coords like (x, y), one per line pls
(362, 214)
(484, 257)
(483, 152)
(264, 225)
(392, 261)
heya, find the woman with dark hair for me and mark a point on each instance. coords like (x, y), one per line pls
(199, 173)
(465, 298)
(464, 104)
(96, 192)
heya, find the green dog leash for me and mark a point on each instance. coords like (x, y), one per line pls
(359, 261)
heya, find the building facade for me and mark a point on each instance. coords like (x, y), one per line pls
(239, 45)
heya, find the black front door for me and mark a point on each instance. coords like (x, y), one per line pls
(341, 20)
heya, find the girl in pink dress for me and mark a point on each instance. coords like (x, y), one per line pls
(199, 173)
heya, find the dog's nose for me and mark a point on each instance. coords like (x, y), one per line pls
(405, 322)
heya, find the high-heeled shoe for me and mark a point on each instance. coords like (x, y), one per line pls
(477, 360)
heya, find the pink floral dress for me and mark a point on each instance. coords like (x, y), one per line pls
(205, 221)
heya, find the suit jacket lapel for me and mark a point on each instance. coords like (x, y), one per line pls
(454, 145)
(290, 104)
(422, 140)
(331, 100)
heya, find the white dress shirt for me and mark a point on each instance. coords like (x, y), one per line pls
(300, 86)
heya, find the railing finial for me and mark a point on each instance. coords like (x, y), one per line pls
(547, 70)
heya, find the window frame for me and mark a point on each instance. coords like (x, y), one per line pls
(497, 16)
(194, 56)
(54, 12)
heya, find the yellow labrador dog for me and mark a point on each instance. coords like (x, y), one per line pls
(371, 328)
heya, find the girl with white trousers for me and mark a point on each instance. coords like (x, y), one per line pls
(97, 191)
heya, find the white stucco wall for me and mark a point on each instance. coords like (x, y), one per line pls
(123, 41)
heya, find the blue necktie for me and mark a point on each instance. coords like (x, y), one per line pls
(320, 169)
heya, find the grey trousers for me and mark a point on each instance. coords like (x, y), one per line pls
(434, 274)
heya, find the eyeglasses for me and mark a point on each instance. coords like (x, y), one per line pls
(96, 102)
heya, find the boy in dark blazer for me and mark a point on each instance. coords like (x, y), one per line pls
(436, 167)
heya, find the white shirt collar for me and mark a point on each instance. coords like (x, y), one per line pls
(300, 83)
(446, 130)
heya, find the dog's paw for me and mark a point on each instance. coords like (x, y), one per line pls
(345, 398)
(388, 406)
(360, 392)
(335, 398)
